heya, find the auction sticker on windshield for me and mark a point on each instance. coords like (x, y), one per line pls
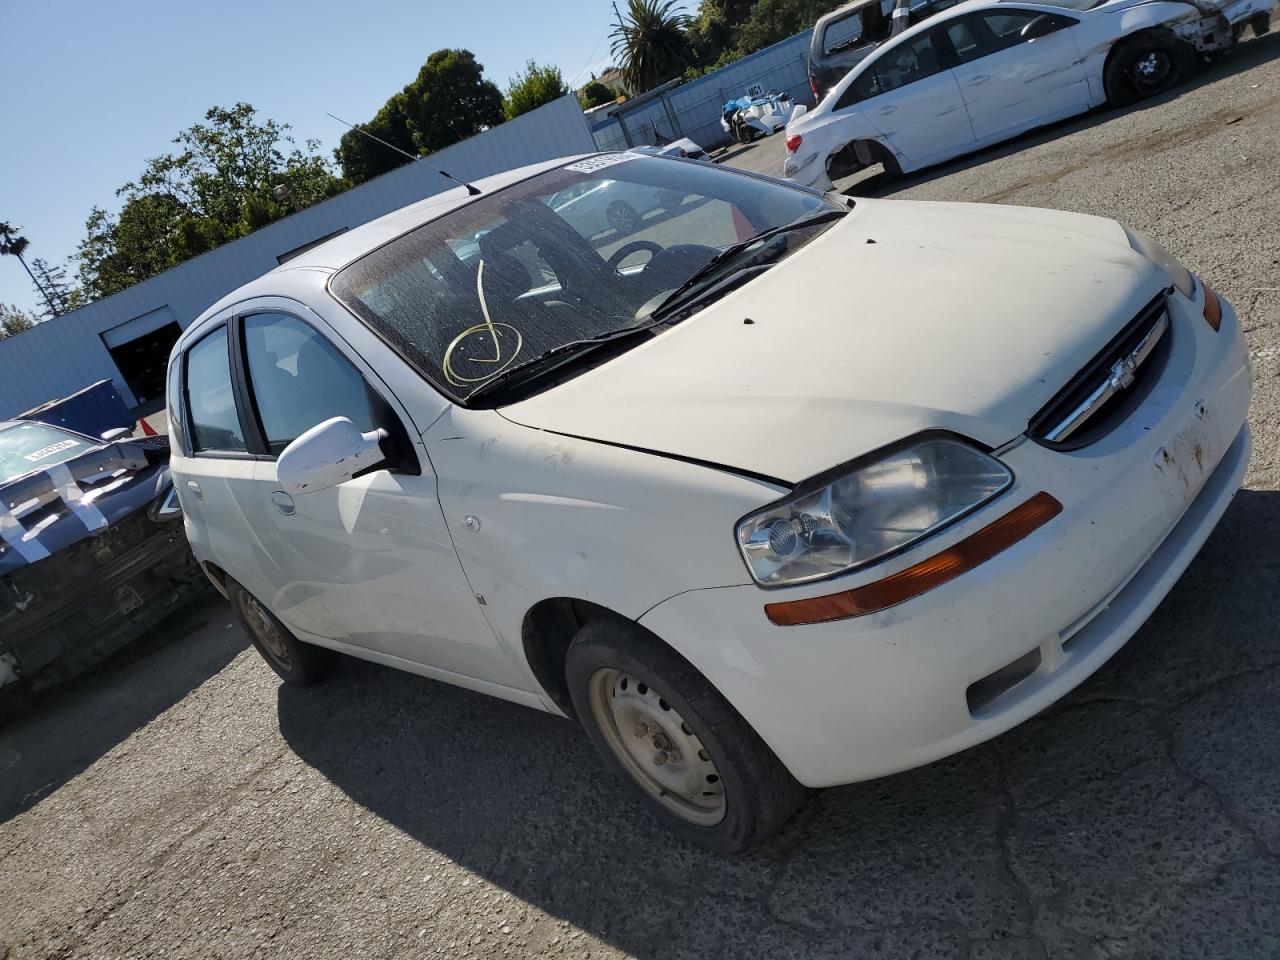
(37, 455)
(592, 164)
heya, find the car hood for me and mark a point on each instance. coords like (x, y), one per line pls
(903, 317)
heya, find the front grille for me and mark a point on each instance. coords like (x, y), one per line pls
(1110, 386)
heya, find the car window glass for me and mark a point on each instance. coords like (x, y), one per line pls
(26, 446)
(211, 401)
(571, 254)
(842, 34)
(299, 379)
(904, 64)
(1005, 27)
(174, 410)
(965, 39)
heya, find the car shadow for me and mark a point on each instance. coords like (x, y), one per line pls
(54, 735)
(1038, 823)
(875, 183)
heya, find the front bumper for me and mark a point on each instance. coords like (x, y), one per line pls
(855, 699)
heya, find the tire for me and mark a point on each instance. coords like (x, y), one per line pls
(1145, 66)
(892, 169)
(296, 663)
(623, 217)
(678, 745)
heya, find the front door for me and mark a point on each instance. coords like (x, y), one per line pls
(376, 547)
(1017, 69)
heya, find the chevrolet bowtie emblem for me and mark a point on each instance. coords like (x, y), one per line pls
(1123, 372)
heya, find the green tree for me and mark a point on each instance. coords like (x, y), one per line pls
(727, 30)
(13, 244)
(61, 292)
(595, 94)
(450, 100)
(363, 158)
(217, 187)
(14, 320)
(650, 43)
(533, 88)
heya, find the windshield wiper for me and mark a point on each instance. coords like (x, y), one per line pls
(563, 352)
(733, 252)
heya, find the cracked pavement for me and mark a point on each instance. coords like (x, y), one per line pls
(181, 803)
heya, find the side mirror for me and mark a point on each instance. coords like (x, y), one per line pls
(328, 454)
(115, 433)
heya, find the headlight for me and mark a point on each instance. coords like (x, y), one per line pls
(1162, 258)
(870, 512)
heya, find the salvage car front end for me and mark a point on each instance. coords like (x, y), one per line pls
(895, 618)
(91, 548)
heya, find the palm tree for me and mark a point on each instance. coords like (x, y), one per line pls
(13, 245)
(650, 43)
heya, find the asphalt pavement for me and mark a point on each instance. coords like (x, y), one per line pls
(181, 803)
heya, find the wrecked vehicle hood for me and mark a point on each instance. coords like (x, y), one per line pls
(903, 317)
(46, 511)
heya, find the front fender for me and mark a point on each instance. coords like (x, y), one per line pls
(559, 516)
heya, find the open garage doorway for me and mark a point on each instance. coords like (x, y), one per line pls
(140, 352)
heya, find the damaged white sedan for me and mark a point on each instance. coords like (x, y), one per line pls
(758, 535)
(988, 70)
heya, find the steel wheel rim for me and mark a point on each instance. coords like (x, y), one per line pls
(265, 631)
(657, 747)
(1151, 70)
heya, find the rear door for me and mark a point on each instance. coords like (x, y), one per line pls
(1016, 69)
(908, 95)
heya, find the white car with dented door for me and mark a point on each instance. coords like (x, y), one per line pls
(757, 535)
(988, 70)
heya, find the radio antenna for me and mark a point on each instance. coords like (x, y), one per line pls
(471, 189)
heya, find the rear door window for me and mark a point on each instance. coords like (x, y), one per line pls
(902, 65)
(211, 401)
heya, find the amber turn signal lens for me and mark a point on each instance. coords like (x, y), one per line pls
(975, 549)
(1212, 308)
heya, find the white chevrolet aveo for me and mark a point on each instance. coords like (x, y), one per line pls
(776, 492)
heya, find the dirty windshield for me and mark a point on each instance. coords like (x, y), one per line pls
(25, 447)
(569, 256)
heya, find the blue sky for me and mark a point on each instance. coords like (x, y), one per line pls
(93, 89)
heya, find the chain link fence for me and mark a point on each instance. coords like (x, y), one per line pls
(693, 109)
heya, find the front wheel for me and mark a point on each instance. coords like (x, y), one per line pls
(1145, 66)
(297, 663)
(691, 759)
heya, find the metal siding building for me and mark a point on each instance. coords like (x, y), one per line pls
(63, 355)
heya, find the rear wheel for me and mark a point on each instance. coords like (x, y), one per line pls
(296, 663)
(1144, 66)
(691, 759)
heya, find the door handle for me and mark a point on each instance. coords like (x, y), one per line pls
(979, 79)
(195, 489)
(889, 109)
(283, 502)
